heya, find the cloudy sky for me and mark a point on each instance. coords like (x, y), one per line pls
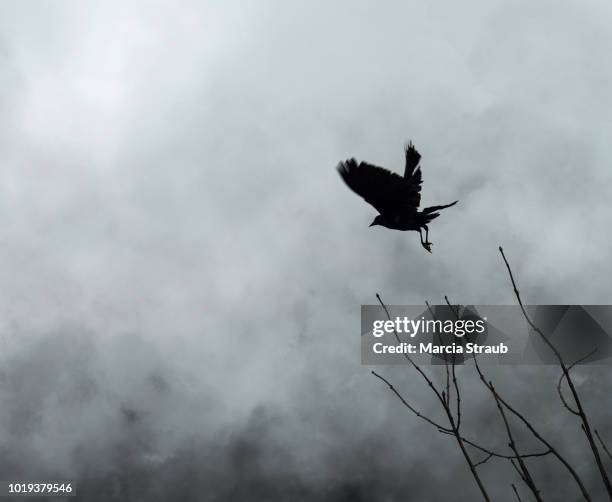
(182, 268)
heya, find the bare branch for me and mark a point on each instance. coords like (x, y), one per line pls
(484, 460)
(453, 366)
(529, 426)
(494, 453)
(410, 360)
(536, 434)
(579, 408)
(560, 382)
(409, 406)
(526, 475)
(445, 405)
(445, 361)
(516, 493)
(455, 309)
(603, 445)
(518, 471)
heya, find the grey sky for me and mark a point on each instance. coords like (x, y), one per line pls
(175, 240)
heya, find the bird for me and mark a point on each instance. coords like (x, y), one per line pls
(396, 198)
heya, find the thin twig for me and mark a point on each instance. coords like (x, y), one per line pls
(433, 316)
(453, 367)
(455, 384)
(603, 445)
(526, 475)
(494, 453)
(516, 493)
(409, 406)
(518, 471)
(456, 312)
(560, 382)
(410, 360)
(484, 460)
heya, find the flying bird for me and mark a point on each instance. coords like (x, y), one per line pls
(396, 198)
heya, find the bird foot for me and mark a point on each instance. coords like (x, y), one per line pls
(427, 245)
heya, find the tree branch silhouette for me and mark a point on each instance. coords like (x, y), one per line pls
(603, 445)
(562, 376)
(518, 497)
(574, 392)
(551, 449)
(445, 361)
(526, 475)
(524, 471)
(446, 406)
(453, 411)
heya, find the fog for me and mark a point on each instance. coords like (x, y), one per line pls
(182, 268)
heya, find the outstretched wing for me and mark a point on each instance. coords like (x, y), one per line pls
(412, 160)
(412, 171)
(388, 192)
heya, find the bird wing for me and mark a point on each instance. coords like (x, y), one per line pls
(412, 159)
(388, 192)
(412, 171)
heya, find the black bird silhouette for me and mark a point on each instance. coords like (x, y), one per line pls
(397, 199)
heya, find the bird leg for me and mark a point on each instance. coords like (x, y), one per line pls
(426, 244)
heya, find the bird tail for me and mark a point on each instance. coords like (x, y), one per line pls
(429, 210)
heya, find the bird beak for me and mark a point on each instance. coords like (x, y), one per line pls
(372, 224)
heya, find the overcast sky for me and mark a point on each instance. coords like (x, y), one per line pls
(182, 268)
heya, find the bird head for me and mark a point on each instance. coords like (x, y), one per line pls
(377, 221)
